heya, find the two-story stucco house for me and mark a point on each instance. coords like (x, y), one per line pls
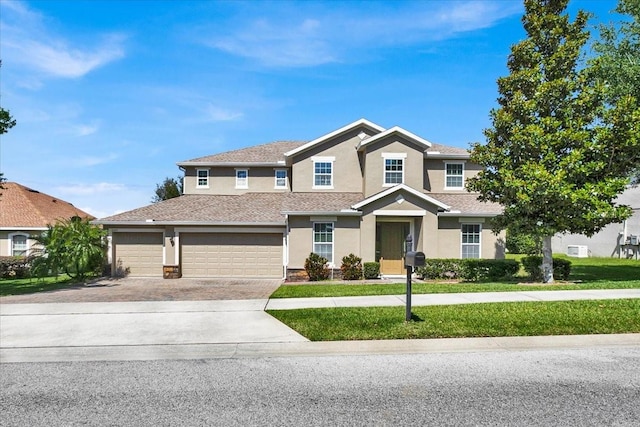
(260, 211)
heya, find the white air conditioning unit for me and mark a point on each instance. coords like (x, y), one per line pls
(578, 251)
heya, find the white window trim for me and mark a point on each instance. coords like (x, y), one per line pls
(446, 187)
(392, 156)
(315, 160)
(479, 244)
(333, 239)
(10, 237)
(239, 184)
(198, 178)
(286, 179)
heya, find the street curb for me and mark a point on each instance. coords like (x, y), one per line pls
(313, 349)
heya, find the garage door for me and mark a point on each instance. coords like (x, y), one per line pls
(231, 255)
(141, 253)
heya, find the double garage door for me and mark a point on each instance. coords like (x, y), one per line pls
(231, 255)
(203, 254)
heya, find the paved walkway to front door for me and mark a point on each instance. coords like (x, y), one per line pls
(152, 289)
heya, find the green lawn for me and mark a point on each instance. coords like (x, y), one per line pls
(30, 286)
(472, 320)
(586, 273)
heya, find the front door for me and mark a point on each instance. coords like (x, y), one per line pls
(391, 236)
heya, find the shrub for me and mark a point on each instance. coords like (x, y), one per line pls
(351, 267)
(489, 269)
(316, 267)
(532, 264)
(14, 267)
(371, 270)
(440, 268)
(523, 243)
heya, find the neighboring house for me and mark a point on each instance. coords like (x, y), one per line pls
(611, 240)
(260, 211)
(24, 213)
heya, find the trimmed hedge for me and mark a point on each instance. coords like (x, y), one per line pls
(532, 264)
(351, 267)
(440, 268)
(473, 270)
(316, 267)
(14, 267)
(371, 270)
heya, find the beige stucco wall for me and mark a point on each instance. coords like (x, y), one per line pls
(450, 238)
(5, 242)
(222, 180)
(435, 173)
(347, 172)
(413, 163)
(346, 238)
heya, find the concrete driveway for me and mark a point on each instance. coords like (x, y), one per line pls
(154, 289)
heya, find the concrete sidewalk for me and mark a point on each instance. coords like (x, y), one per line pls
(153, 330)
(449, 299)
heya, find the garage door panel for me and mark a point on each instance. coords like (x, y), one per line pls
(140, 253)
(231, 255)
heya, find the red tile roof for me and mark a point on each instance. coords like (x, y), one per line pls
(21, 206)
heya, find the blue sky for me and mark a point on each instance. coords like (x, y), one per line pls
(109, 95)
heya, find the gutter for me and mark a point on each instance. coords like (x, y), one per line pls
(151, 222)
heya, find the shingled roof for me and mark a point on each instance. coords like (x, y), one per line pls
(266, 153)
(21, 206)
(248, 208)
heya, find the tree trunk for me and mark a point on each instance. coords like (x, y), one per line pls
(547, 260)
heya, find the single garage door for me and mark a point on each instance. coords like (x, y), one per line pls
(141, 253)
(231, 255)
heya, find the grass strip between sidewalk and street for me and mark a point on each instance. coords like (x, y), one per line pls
(469, 320)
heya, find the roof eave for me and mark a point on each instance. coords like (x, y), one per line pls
(232, 164)
(468, 214)
(151, 223)
(336, 213)
(446, 156)
(396, 129)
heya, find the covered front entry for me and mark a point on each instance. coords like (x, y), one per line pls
(248, 255)
(390, 246)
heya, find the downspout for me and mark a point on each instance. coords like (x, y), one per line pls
(285, 242)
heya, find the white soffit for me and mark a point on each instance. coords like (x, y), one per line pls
(396, 129)
(400, 187)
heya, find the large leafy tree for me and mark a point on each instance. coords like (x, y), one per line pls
(557, 154)
(73, 246)
(170, 188)
(617, 60)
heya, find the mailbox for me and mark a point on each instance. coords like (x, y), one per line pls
(414, 259)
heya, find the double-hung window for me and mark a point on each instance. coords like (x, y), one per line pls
(471, 240)
(242, 178)
(323, 240)
(19, 245)
(281, 178)
(394, 165)
(323, 172)
(203, 178)
(454, 176)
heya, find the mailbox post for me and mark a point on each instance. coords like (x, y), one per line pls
(411, 259)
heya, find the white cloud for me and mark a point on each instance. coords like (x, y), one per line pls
(26, 41)
(345, 32)
(90, 189)
(87, 161)
(84, 130)
(218, 114)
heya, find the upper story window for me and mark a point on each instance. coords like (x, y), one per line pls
(203, 178)
(394, 164)
(242, 178)
(323, 240)
(454, 176)
(18, 244)
(281, 178)
(323, 172)
(471, 240)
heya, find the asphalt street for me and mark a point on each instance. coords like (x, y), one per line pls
(552, 387)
